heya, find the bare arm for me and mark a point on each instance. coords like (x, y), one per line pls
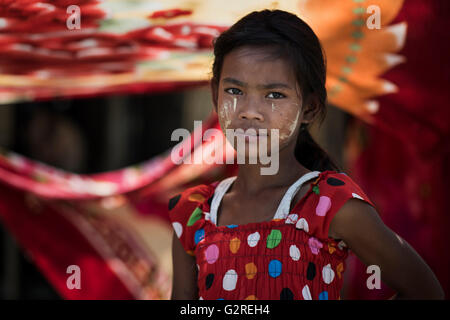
(402, 269)
(184, 284)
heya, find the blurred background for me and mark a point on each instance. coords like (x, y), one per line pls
(86, 117)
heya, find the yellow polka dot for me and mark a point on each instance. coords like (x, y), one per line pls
(340, 269)
(251, 297)
(196, 197)
(235, 243)
(190, 252)
(331, 248)
(250, 270)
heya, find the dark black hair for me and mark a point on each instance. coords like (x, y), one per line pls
(293, 39)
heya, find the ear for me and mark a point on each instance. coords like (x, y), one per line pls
(311, 109)
(214, 94)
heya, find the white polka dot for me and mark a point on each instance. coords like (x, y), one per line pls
(327, 274)
(253, 239)
(294, 252)
(355, 195)
(306, 293)
(178, 228)
(342, 245)
(302, 225)
(230, 280)
(201, 298)
(292, 218)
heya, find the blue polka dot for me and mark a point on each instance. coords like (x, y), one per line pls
(274, 268)
(323, 295)
(199, 235)
(231, 226)
(221, 299)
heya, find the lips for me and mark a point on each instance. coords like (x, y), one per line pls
(250, 132)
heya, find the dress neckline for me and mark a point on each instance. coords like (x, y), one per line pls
(283, 208)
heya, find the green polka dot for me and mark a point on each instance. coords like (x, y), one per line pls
(195, 216)
(316, 189)
(273, 239)
(343, 79)
(358, 1)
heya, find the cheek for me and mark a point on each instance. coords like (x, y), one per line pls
(226, 110)
(286, 121)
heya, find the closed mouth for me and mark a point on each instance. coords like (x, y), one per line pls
(250, 133)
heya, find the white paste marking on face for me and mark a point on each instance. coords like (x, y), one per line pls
(291, 128)
(273, 107)
(294, 124)
(224, 113)
(234, 104)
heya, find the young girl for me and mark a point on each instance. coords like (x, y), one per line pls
(282, 236)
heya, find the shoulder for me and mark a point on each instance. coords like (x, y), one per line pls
(333, 192)
(186, 212)
(190, 198)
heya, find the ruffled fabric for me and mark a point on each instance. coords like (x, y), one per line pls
(291, 258)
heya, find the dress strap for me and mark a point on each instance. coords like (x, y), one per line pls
(219, 192)
(285, 204)
(283, 208)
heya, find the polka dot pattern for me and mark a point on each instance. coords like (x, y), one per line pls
(323, 206)
(230, 280)
(289, 258)
(311, 271)
(306, 293)
(250, 270)
(273, 239)
(286, 294)
(275, 267)
(199, 235)
(195, 216)
(327, 274)
(235, 244)
(253, 239)
(209, 280)
(173, 201)
(212, 253)
(335, 182)
(178, 228)
(294, 252)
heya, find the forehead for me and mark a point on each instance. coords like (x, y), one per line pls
(256, 65)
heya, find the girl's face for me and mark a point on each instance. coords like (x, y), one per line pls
(257, 91)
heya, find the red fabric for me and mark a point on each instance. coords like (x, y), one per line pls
(404, 164)
(54, 244)
(290, 258)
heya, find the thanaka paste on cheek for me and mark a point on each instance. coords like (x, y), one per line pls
(291, 128)
(224, 114)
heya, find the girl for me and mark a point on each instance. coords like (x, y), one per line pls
(283, 236)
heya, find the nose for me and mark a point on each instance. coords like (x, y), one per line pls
(250, 111)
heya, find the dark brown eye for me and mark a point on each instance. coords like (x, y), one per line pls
(233, 91)
(276, 95)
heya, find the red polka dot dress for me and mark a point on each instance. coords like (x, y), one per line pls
(289, 257)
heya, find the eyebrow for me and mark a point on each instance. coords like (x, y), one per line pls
(274, 85)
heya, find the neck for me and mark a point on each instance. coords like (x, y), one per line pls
(249, 180)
